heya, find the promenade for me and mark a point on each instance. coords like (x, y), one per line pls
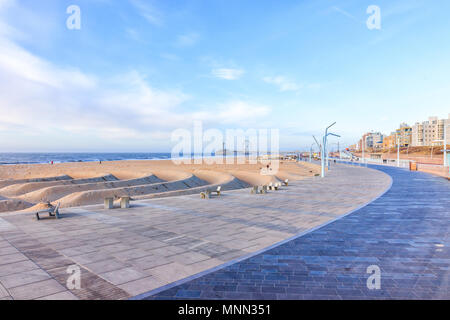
(405, 233)
(123, 253)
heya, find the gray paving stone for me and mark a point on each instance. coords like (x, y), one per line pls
(22, 278)
(16, 267)
(11, 258)
(404, 232)
(122, 276)
(65, 295)
(105, 266)
(8, 250)
(173, 238)
(36, 290)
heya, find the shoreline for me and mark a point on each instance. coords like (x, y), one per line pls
(119, 159)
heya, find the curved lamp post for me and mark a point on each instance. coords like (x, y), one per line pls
(324, 148)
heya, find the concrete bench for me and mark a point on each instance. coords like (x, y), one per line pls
(218, 190)
(125, 202)
(206, 194)
(52, 212)
(259, 190)
(109, 203)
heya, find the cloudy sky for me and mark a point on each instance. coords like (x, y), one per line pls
(139, 69)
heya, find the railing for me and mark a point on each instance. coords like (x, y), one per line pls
(434, 168)
(386, 162)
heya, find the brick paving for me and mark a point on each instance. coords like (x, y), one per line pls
(126, 252)
(405, 233)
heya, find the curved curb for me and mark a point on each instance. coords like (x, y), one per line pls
(250, 255)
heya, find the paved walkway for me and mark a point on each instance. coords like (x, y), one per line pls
(405, 233)
(125, 252)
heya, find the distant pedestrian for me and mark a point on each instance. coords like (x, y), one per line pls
(51, 162)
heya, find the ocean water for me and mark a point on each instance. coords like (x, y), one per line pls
(31, 158)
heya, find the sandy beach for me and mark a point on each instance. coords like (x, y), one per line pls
(29, 187)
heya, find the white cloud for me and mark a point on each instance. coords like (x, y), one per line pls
(283, 83)
(43, 104)
(39, 98)
(37, 94)
(242, 112)
(227, 74)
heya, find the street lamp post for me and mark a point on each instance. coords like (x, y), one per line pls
(445, 143)
(322, 159)
(318, 144)
(324, 148)
(363, 143)
(339, 151)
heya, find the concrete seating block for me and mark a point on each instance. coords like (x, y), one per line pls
(53, 212)
(206, 194)
(109, 203)
(124, 202)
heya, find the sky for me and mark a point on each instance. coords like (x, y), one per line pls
(137, 70)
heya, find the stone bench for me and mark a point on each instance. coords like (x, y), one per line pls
(124, 202)
(53, 212)
(109, 203)
(259, 190)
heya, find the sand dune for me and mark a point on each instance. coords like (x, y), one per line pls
(4, 183)
(232, 183)
(23, 188)
(97, 196)
(77, 184)
(14, 205)
(56, 192)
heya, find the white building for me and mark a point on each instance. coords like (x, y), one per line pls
(430, 132)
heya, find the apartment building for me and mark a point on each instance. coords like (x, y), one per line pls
(390, 141)
(404, 133)
(371, 140)
(430, 132)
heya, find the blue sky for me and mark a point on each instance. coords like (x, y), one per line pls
(137, 70)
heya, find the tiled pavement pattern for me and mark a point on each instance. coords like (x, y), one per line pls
(126, 252)
(405, 232)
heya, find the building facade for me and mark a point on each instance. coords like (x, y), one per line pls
(390, 141)
(431, 132)
(404, 134)
(371, 140)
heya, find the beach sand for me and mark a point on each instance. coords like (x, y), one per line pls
(29, 187)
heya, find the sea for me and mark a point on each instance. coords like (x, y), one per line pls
(33, 158)
(9, 158)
